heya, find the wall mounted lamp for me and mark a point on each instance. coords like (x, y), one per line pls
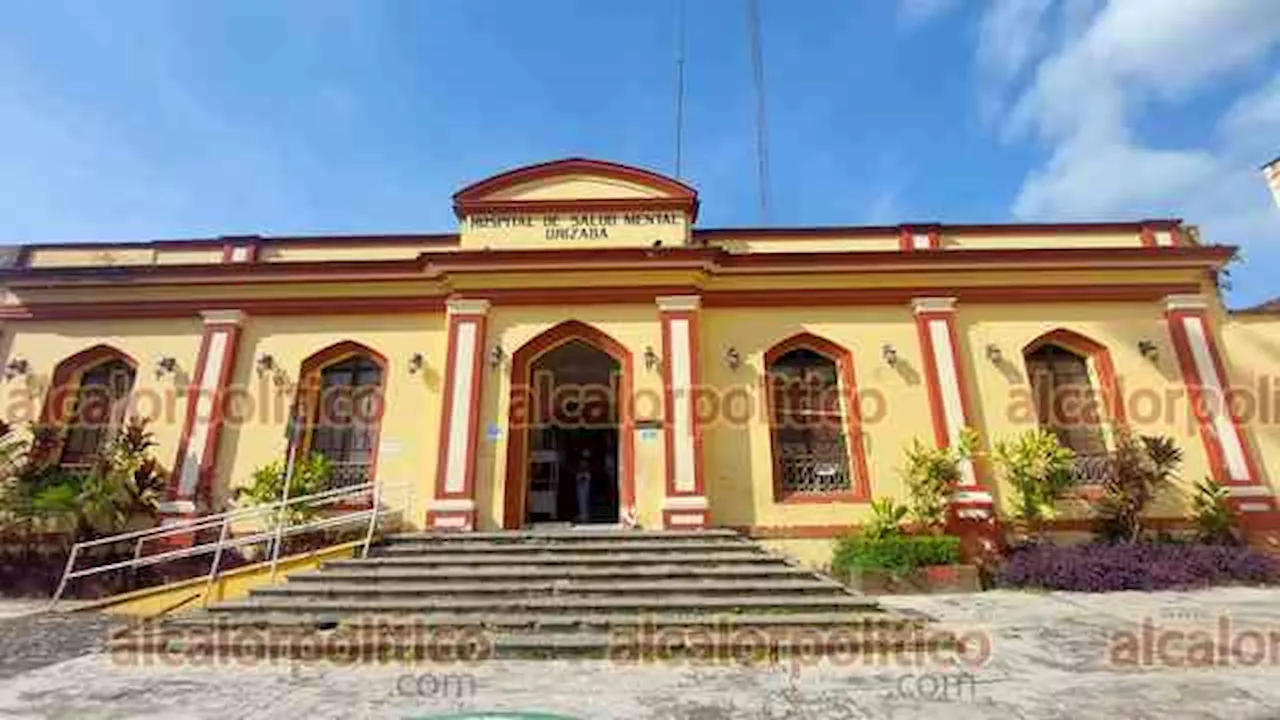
(417, 362)
(994, 354)
(650, 358)
(265, 364)
(16, 367)
(1148, 350)
(732, 358)
(496, 356)
(890, 354)
(167, 365)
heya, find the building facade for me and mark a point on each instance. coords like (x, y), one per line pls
(580, 351)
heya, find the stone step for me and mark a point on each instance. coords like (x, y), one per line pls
(395, 573)
(669, 603)
(534, 548)
(616, 558)
(560, 536)
(563, 588)
(753, 645)
(397, 622)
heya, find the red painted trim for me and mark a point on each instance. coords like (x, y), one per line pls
(933, 385)
(839, 231)
(1191, 379)
(473, 411)
(1090, 258)
(417, 304)
(189, 420)
(209, 461)
(669, 515)
(477, 194)
(861, 480)
(1113, 400)
(905, 243)
(249, 243)
(631, 258)
(1246, 444)
(308, 389)
(149, 309)
(668, 394)
(578, 206)
(518, 429)
(434, 518)
(219, 242)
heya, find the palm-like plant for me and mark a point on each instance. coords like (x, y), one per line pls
(1139, 471)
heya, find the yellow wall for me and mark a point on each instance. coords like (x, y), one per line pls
(44, 344)
(1155, 394)
(895, 404)
(411, 420)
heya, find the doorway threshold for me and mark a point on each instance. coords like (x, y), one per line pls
(576, 527)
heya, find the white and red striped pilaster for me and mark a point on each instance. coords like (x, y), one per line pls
(685, 504)
(1209, 388)
(948, 400)
(454, 506)
(196, 462)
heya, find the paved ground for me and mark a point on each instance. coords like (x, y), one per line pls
(1051, 656)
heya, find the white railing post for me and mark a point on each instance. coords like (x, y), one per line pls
(217, 559)
(374, 508)
(66, 575)
(283, 513)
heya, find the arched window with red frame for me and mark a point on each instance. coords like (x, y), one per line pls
(341, 395)
(815, 426)
(1076, 396)
(87, 404)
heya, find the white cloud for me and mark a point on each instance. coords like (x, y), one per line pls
(1109, 65)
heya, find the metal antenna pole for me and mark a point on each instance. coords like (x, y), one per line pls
(762, 133)
(680, 20)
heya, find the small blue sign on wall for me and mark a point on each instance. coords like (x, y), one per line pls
(493, 432)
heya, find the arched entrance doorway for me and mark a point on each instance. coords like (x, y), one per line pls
(569, 454)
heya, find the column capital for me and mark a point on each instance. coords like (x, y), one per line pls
(1186, 302)
(467, 306)
(933, 305)
(222, 317)
(679, 303)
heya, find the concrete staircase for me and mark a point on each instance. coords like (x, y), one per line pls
(627, 595)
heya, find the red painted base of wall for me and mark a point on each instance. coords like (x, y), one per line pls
(981, 539)
(459, 521)
(684, 519)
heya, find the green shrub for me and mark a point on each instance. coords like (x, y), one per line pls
(310, 476)
(897, 554)
(932, 475)
(887, 517)
(1039, 472)
(1214, 521)
(1140, 470)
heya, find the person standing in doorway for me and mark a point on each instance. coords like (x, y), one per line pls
(582, 483)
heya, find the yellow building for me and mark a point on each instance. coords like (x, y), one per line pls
(579, 350)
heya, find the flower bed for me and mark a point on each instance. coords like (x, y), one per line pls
(1140, 566)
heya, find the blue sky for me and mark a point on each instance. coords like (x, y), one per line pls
(165, 119)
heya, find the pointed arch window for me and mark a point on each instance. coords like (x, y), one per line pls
(89, 402)
(1076, 396)
(814, 422)
(343, 399)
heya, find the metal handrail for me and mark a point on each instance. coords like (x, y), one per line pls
(278, 529)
